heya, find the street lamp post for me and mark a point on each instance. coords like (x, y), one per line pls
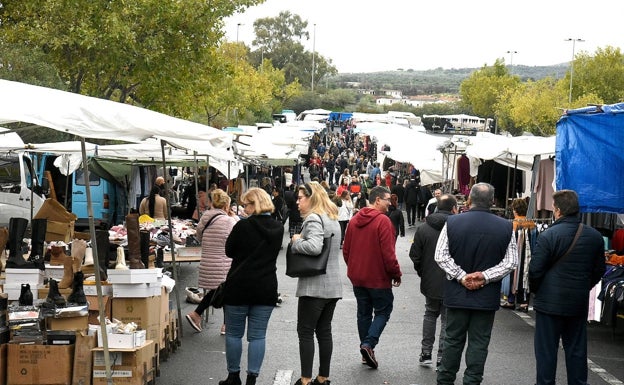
(313, 55)
(572, 65)
(511, 53)
(236, 48)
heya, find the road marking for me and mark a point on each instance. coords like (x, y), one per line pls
(606, 376)
(609, 379)
(283, 377)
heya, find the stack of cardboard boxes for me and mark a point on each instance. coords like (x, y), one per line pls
(82, 361)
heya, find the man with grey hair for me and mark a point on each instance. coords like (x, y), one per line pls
(476, 249)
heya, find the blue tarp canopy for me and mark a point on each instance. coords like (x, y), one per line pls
(340, 116)
(590, 157)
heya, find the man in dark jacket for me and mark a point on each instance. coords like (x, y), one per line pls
(295, 222)
(399, 191)
(476, 249)
(431, 276)
(562, 289)
(411, 200)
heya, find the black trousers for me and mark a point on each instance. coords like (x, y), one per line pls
(314, 316)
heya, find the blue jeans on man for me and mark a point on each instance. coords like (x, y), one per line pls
(374, 307)
(257, 317)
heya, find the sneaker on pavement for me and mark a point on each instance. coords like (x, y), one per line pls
(425, 359)
(369, 355)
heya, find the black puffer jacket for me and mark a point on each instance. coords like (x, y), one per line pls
(564, 288)
(422, 252)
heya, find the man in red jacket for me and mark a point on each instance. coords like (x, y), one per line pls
(373, 269)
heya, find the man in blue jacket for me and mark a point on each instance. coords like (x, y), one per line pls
(476, 249)
(561, 274)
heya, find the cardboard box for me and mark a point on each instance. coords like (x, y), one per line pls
(134, 276)
(164, 317)
(59, 231)
(69, 323)
(18, 276)
(40, 364)
(130, 366)
(94, 308)
(55, 272)
(136, 290)
(52, 210)
(123, 341)
(145, 312)
(3, 364)
(91, 289)
(83, 359)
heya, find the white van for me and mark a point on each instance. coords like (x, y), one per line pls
(20, 193)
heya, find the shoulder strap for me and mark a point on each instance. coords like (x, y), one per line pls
(576, 237)
(209, 222)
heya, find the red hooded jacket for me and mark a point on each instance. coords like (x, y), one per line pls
(368, 250)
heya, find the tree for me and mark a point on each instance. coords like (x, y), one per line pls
(144, 52)
(601, 75)
(481, 91)
(280, 40)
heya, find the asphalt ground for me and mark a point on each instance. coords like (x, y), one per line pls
(201, 357)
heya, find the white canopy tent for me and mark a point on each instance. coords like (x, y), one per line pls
(409, 146)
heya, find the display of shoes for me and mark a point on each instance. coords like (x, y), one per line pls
(193, 295)
(369, 355)
(425, 359)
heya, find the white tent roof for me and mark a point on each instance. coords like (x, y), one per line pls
(90, 117)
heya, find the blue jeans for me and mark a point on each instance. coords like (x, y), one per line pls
(257, 317)
(369, 301)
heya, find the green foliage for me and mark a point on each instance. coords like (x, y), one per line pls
(483, 88)
(280, 40)
(601, 74)
(27, 65)
(144, 51)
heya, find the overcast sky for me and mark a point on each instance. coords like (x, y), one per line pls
(370, 35)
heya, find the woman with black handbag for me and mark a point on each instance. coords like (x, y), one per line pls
(251, 285)
(318, 294)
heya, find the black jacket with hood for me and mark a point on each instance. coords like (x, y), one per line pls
(422, 252)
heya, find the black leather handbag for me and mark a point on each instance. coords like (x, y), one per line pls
(304, 265)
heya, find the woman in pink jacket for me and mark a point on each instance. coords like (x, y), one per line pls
(213, 229)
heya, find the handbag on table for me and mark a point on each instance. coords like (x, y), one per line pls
(304, 265)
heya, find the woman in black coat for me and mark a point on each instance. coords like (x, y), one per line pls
(396, 217)
(251, 291)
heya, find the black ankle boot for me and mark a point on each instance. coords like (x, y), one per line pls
(251, 379)
(17, 228)
(77, 295)
(26, 296)
(232, 379)
(54, 298)
(38, 228)
(103, 247)
(160, 257)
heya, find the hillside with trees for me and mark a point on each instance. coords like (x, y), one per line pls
(435, 81)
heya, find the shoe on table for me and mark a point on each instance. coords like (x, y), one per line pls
(369, 355)
(425, 359)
